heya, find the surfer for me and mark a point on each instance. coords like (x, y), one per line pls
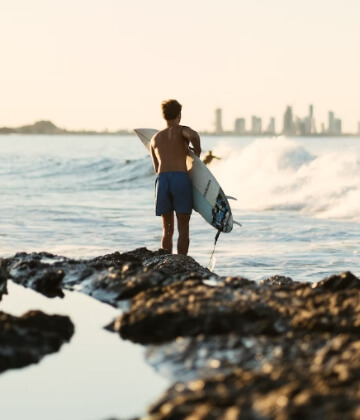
(209, 157)
(169, 148)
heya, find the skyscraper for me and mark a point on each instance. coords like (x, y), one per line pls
(218, 121)
(240, 126)
(331, 123)
(337, 126)
(288, 122)
(256, 125)
(311, 111)
(310, 122)
(271, 126)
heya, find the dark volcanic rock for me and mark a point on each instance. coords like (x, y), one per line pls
(343, 281)
(26, 339)
(29, 270)
(242, 350)
(3, 281)
(276, 394)
(189, 307)
(110, 278)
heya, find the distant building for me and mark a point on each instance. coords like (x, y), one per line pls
(300, 126)
(331, 123)
(334, 124)
(310, 121)
(218, 121)
(240, 126)
(289, 128)
(271, 127)
(338, 126)
(311, 111)
(256, 125)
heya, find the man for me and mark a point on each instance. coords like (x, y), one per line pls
(169, 149)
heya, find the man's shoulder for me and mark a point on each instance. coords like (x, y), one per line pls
(188, 131)
(156, 135)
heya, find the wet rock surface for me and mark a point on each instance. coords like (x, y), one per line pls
(3, 281)
(26, 339)
(110, 278)
(231, 347)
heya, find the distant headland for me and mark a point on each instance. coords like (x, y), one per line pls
(47, 127)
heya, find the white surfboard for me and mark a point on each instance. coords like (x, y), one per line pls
(208, 198)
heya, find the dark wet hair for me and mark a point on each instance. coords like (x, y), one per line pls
(170, 109)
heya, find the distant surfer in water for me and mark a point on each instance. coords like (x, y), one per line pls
(209, 158)
(169, 148)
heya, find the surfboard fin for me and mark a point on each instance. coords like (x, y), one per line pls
(230, 197)
(237, 223)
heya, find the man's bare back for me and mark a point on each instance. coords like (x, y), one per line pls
(170, 146)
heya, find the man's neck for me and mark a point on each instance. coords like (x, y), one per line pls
(172, 123)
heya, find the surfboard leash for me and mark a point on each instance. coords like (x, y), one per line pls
(212, 260)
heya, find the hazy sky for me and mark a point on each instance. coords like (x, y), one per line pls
(99, 64)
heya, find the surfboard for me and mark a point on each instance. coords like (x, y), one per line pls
(209, 199)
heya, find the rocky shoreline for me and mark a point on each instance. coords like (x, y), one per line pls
(232, 348)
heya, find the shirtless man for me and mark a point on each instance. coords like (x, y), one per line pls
(169, 149)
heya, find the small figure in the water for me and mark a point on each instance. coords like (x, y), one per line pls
(209, 157)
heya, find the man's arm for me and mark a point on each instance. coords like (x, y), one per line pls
(153, 157)
(194, 138)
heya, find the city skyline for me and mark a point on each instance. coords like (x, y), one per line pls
(291, 124)
(107, 64)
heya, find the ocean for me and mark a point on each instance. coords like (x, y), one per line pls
(298, 200)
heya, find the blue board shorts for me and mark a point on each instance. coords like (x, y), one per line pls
(173, 191)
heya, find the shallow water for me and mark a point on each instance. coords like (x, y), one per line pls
(96, 375)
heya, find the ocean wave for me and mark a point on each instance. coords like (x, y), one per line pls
(58, 174)
(281, 174)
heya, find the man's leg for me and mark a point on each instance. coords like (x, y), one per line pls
(183, 228)
(168, 231)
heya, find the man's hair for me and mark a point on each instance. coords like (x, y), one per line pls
(170, 109)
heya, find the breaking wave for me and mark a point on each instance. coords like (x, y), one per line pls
(281, 174)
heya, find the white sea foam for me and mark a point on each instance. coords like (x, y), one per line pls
(281, 174)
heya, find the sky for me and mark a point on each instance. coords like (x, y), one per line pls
(108, 64)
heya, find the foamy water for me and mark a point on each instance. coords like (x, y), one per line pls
(286, 174)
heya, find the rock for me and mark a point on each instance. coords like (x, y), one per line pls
(109, 278)
(189, 307)
(3, 281)
(29, 271)
(251, 395)
(343, 281)
(276, 281)
(276, 350)
(26, 339)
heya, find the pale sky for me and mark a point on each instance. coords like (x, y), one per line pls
(97, 64)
